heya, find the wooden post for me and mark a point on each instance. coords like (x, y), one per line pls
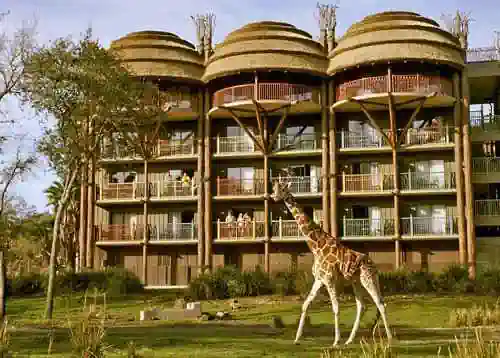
(325, 170)
(333, 164)
(267, 197)
(146, 224)
(91, 213)
(82, 232)
(200, 207)
(469, 194)
(208, 185)
(395, 171)
(457, 116)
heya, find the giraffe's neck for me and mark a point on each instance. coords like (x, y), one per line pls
(306, 225)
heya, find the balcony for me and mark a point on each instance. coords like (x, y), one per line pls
(352, 141)
(229, 187)
(486, 170)
(235, 146)
(173, 232)
(239, 231)
(428, 136)
(116, 233)
(483, 54)
(288, 144)
(410, 86)
(363, 184)
(304, 185)
(171, 148)
(172, 189)
(429, 227)
(428, 182)
(268, 94)
(360, 229)
(484, 127)
(123, 191)
(487, 212)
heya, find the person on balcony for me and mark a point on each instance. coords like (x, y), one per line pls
(230, 218)
(186, 180)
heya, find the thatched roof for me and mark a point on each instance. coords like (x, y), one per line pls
(395, 36)
(266, 45)
(159, 54)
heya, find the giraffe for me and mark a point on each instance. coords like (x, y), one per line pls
(333, 262)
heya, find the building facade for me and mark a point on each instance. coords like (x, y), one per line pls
(390, 132)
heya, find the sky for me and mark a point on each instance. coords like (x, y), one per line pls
(111, 19)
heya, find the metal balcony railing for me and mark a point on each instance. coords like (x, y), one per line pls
(175, 147)
(235, 144)
(367, 182)
(488, 121)
(303, 142)
(487, 207)
(304, 184)
(237, 186)
(368, 227)
(172, 189)
(265, 91)
(348, 139)
(244, 230)
(427, 180)
(123, 191)
(120, 232)
(429, 226)
(428, 135)
(416, 83)
(483, 54)
(485, 165)
(173, 231)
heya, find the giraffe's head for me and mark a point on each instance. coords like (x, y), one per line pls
(281, 187)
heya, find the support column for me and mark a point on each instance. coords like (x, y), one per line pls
(267, 197)
(469, 194)
(200, 190)
(395, 172)
(457, 117)
(208, 185)
(146, 224)
(325, 170)
(91, 214)
(82, 232)
(333, 165)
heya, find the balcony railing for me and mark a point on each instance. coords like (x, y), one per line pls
(348, 139)
(175, 147)
(487, 207)
(485, 165)
(119, 232)
(368, 227)
(123, 191)
(400, 83)
(429, 135)
(236, 144)
(427, 180)
(483, 54)
(237, 186)
(264, 91)
(239, 230)
(172, 189)
(304, 184)
(367, 182)
(478, 119)
(173, 231)
(429, 226)
(304, 142)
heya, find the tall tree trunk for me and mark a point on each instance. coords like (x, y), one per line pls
(3, 285)
(146, 224)
(53, 251)
(91, 213)
(83, 215)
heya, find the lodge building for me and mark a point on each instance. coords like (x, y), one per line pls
(391, 132)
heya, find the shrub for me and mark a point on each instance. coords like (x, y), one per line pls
(26, 285)
(488, 281)
(455, 278)
(284, 283)
(478, 315)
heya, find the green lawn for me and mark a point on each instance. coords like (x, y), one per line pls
(249, 334)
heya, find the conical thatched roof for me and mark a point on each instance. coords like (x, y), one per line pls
(395, 36)
(159, 54)
(266, 45)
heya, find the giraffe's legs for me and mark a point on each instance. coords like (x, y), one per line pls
(312, 295)
(332, 292)
(360, 309)
(371, 284)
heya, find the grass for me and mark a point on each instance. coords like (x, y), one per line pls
(249, 334)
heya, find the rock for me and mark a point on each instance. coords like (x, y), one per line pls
(277, 322)
(179, 303)
(235, 304)
(205, 316)
(223, 315)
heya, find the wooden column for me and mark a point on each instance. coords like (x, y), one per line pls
(91, 214)
(200, 190)
(208, 185)
(267, 197)
(457, 117)
(395, 172)
(82, 232)
(325, 170)
(469, 194)
(333, 164)
(146, 224)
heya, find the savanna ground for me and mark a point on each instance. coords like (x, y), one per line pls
(248, 334)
